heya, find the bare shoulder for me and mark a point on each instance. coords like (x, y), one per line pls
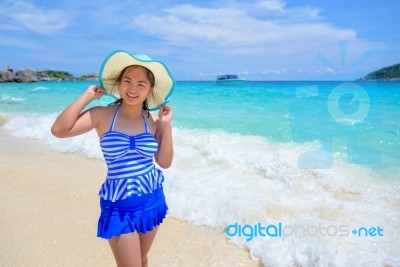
(103, 115)
(100, 112)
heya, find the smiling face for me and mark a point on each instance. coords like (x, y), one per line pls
(135, 84)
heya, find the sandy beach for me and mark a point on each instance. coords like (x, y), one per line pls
(49, 207)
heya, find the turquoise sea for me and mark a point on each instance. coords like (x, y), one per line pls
(303, 154)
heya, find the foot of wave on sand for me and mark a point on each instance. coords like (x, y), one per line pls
(50, 210)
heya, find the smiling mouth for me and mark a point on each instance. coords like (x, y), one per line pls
(132, 96)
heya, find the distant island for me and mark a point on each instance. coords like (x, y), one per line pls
(391, 73)
(27, 75)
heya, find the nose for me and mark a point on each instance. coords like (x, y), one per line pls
(132, 88)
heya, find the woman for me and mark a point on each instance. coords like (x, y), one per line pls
(131, 198)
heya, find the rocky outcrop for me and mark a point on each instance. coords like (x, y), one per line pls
(26, 75)
(44, 76)
(6, 75)
(390, 73)
(89, 77)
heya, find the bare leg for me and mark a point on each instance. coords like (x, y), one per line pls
(126, 250)
(146, 240)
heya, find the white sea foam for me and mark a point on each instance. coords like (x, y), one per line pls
(11, 99)
(39, 128)
(39, 88)
(219, 179)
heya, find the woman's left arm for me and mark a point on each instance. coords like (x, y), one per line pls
(165, 151)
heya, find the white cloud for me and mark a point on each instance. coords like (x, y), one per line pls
(325, 70)
(258, 36)
(28, 16)
(274, 5)
(188, 25)
(268, 38)
(270, 71)
(296, 14)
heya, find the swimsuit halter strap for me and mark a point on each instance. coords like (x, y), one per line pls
(145, 122)
(115, 116)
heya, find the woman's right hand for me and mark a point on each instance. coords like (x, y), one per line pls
(72, 121)
(94, 92)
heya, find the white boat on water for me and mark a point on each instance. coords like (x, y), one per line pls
(230, 79)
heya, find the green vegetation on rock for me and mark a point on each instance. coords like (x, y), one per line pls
(391, 73)
(31, 75)
(57, 74)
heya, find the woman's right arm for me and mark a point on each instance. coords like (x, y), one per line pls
(72, 122)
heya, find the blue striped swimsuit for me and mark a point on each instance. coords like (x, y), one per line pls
(129, 159)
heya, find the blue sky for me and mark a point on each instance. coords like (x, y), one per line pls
(198, 40)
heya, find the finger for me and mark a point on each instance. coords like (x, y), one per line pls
(165, 108)
(98, 89)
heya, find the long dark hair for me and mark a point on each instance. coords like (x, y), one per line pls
(117, 83)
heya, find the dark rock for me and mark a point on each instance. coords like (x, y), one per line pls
(89, 77)
(26, 75)
(44, 76)
(6, 76)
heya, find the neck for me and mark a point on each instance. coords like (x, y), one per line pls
(130, 111)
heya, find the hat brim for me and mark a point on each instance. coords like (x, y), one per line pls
(118, 60)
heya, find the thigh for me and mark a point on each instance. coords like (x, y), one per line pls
(126, 250)
(146, 240)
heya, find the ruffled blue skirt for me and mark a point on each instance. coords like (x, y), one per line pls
(133, 214)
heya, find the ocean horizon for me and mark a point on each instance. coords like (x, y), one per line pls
(319, 158)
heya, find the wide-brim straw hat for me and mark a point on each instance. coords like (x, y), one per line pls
(118, 60)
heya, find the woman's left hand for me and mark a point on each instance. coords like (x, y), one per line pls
(165, 115)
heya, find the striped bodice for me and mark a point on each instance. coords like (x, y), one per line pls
(130, 163)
